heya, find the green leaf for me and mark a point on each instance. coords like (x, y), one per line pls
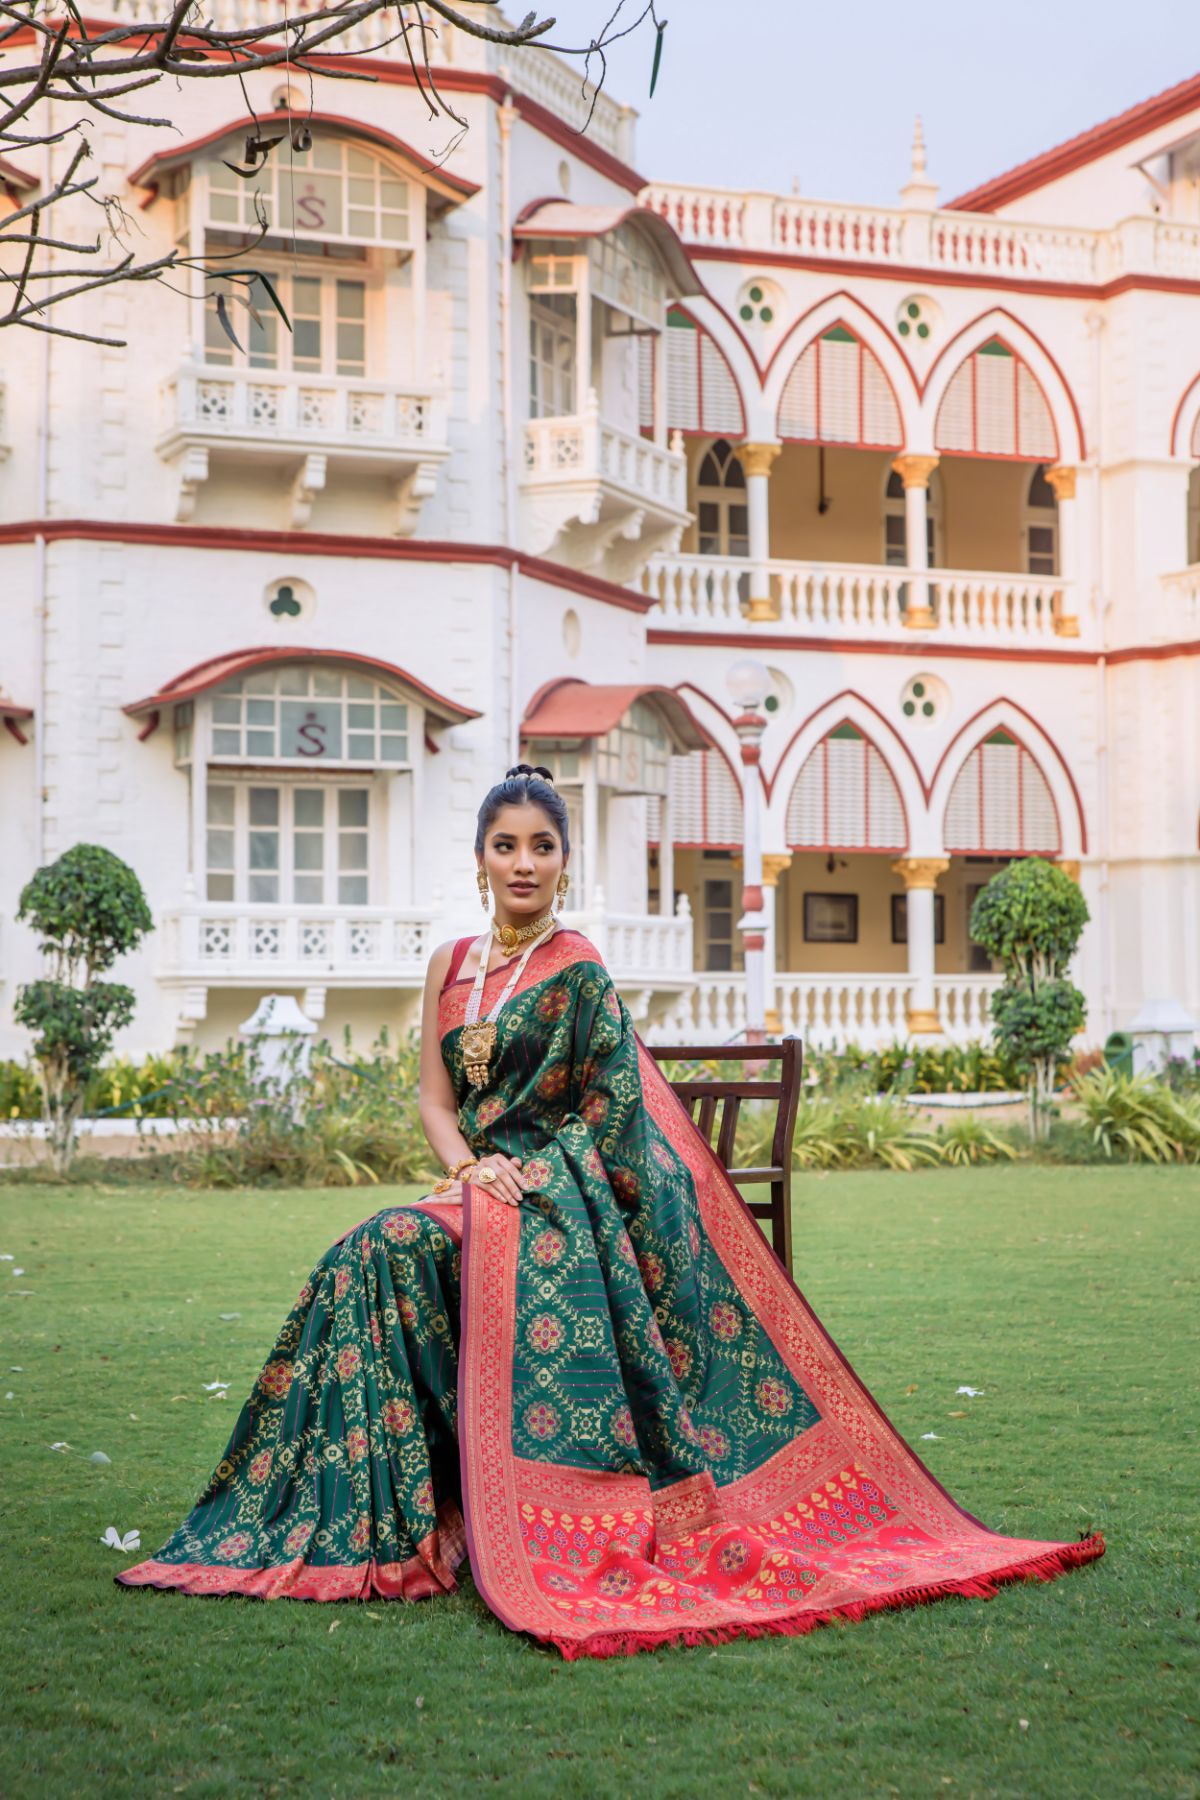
(657, 64)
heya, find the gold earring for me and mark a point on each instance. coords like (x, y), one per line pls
(564, 882)
(482, 883)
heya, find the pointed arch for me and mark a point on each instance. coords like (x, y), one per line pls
(838, 392)
(706, 787)
(703, 396)
(995, 390)
(890, 377)
(1185, 426)
(1004, 788)
(899, 778)
(845, 797)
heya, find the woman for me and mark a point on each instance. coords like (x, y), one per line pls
(577, 1358)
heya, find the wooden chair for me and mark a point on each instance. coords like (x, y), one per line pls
(700, 1096)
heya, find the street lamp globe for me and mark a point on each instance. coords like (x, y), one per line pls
(749, 681)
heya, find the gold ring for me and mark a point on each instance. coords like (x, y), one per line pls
(486, 1176)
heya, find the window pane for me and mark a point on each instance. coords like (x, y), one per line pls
(264, 849)
(308, 850)
(361, 714)
(352, 806)
(220, 805)
(260, 743)
(309, 806)
(352, 850)
(359, 689)
(227, 712)
(227, 743)
(220, 849)
(393, 717)
(264, 806)
(309, 890)
(293, 681)
(260, 712)
(220, 887)
(264, 888)
(352, 890)
(351, 299)
(393, 749)
(360, 748)
(326, 682)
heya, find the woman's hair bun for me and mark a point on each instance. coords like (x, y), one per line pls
(544, 774)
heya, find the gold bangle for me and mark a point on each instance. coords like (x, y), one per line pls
(456, 1169)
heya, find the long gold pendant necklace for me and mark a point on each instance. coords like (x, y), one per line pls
(479, 1035)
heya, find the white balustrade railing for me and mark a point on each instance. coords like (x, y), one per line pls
(829, 1011)
(963, 242)
(555, 84)
(326, 412)
(582, 447)
(639, 947)
(232, 942)
(844, 600)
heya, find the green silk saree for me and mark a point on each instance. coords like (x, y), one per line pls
(612, 1398)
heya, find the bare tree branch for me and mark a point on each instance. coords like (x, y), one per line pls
(89, 70)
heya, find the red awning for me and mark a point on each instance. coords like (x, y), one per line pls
(561, 219)
(17, 179)
(450, 190)
(206, 675)
(569, 707)
(12, 717)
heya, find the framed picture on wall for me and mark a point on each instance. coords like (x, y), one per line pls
(831, 918)
(900, 919)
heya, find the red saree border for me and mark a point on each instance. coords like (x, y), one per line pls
(559, 952)
(853, 1429)
(430, 1571)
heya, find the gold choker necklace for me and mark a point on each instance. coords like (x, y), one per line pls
(511, 938)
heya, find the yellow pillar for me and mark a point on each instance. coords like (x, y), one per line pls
(757, 460)
(1066, 616)
(774, 862)
(914, 472)
(920, 875)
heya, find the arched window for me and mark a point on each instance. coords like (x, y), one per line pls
(702, 394)
(837, 393)
(337, 192)
(1001, 803)
(895, 529)
(722, 521)
(1041, 525)
(706, 804)
(994, 406)
(1193, 516)
(846, 798)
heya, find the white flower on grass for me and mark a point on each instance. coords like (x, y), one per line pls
(211, 1387)
(6, 1256)
(16, 1271)
(229, 1315)
(928, 1437)
(132, 1540)
(98, 1457)
(970, 1392)
(62, 1445)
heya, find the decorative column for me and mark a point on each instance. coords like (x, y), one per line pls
(919, 875)
(1066, 617)
(666, 857)
(756, 460)
(774, 862)
(914, 472)
(749, 683)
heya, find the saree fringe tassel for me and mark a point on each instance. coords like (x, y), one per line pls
(612, 1397)
(1047, 1567)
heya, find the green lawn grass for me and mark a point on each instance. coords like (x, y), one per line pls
(1067, 1295)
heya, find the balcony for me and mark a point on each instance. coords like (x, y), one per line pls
(649, 955)
(865, 602)
(228, 944)
(598, 498)
(308, 423)
(975, 244)
(828, 1011)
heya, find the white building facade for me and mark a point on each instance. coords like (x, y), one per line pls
(547, 449)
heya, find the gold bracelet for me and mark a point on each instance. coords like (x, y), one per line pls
(456, 1169)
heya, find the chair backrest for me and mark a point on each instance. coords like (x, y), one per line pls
(704, 1092)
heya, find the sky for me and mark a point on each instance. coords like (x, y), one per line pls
(772, 93)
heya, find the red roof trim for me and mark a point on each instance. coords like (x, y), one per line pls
(1085, 147)
(453, 186)
(597, 707)
(215, 669)
(18, 180)
(331, 543)
(10, 710)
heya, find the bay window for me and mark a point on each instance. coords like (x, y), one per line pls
(287, 843)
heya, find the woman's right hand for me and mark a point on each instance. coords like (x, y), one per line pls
(510, 1184)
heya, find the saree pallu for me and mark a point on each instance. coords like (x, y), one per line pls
(613, 1397)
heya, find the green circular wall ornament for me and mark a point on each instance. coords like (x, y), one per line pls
(924, 699)
(917, 316)
(285, 604)
(758, 303)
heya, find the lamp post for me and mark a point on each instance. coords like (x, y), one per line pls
(749, 682)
